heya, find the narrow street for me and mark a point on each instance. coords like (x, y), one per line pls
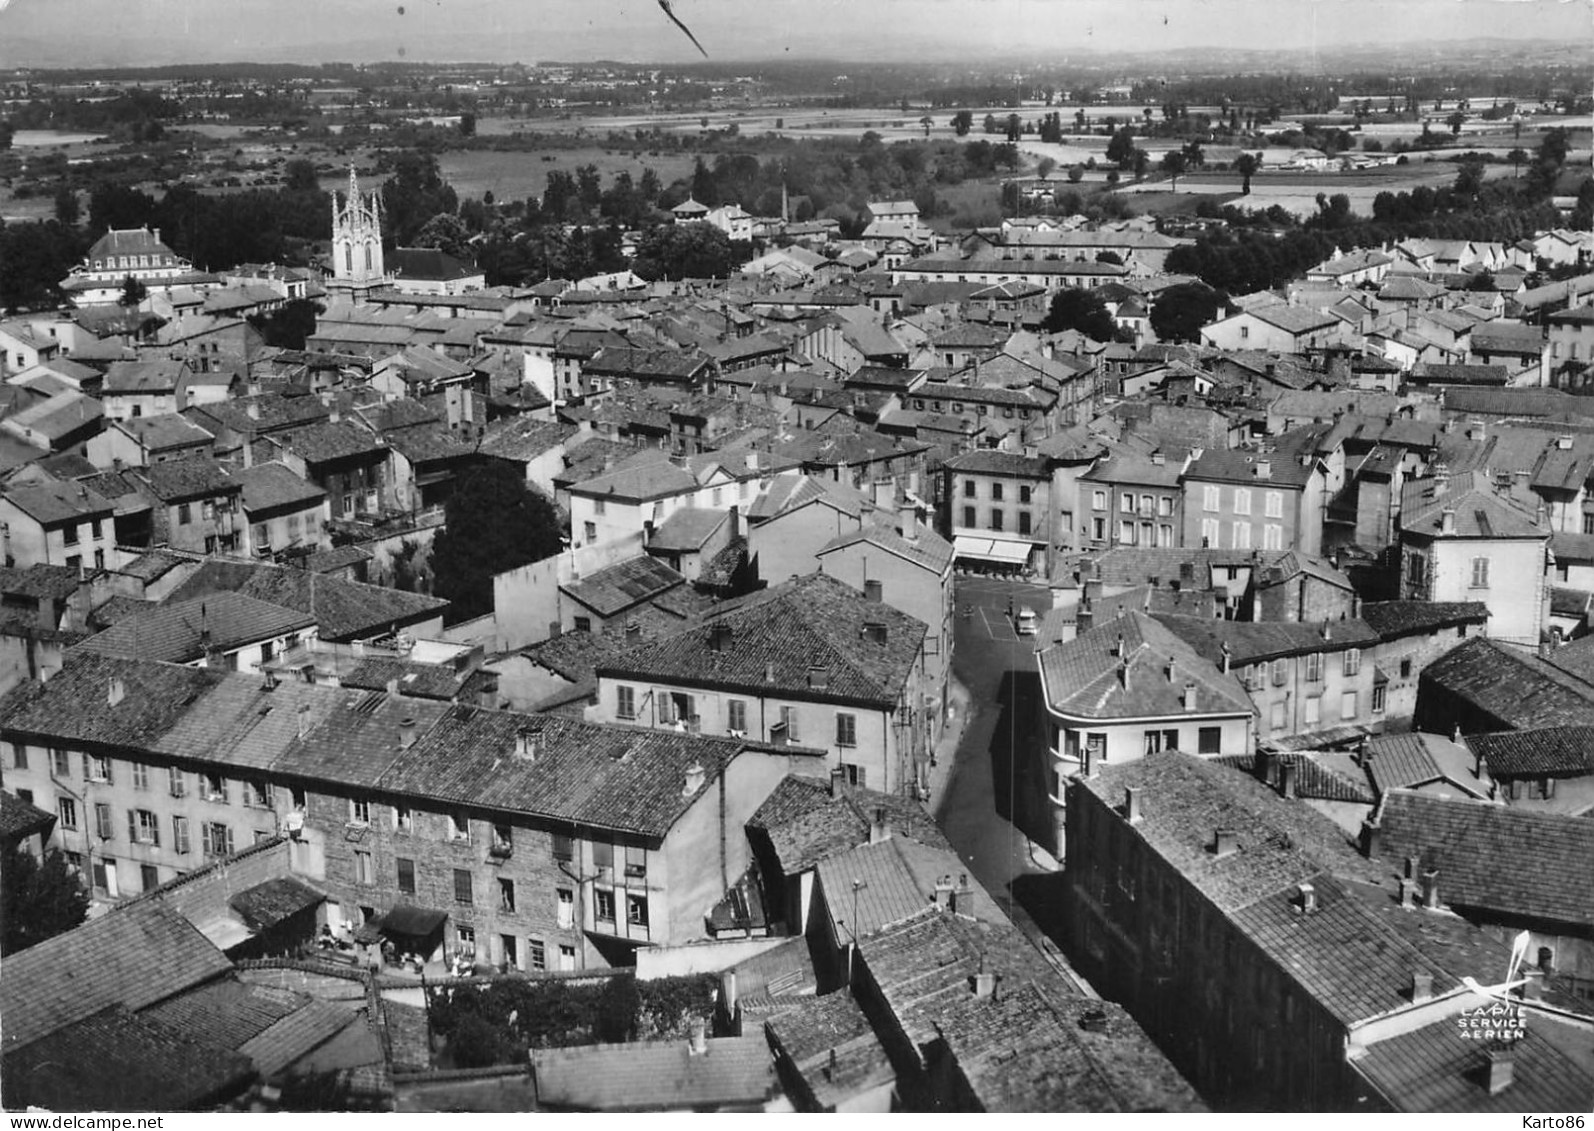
(996, 668)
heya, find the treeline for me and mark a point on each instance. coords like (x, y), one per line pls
(134, 115)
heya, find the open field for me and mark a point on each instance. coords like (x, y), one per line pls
(515, 176)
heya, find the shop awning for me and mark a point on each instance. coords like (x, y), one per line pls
(413, 922)
(992, 549)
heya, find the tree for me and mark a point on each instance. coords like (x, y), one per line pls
(1517, 157)
(1455, 121)
(1076, 173)
(1074, 308)
(1482, 281)
(299, 175)
(66, 207)
(467, 124)
(38, 899)
(133, 292)
(1044, 167)
(1182, 309)
(963, 122)
(446, 233)
(688, 251)
(927, 122)
(1247, 164)
(1173, 163)
(1121, 148)
(1195, 157)
(6, 132)
(493, 522)
(1141, 161)
(289, 326)
(1552, 150)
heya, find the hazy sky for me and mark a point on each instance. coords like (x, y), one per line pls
(56, 32)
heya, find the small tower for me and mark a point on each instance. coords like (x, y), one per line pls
(357, 241)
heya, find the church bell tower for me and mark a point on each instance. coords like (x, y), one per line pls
(357, 241)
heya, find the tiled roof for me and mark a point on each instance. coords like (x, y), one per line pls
(329, 440)
(926, 548)
(1478, 511)
(133, 956)
(649, 474)
(1403, 761)
(776, 640)
(606, 777)
(789, 491)
(158, 376)
(180, 632)
(267, 486)
(832, 1047)
(615, 588)
(226, 1013)
(522, 438)
(58, 503)
(1551, 752)
(1519, 690)
(1256, 641)
(359, 739)
(687, 529)
(74, 705)
(168, 430)
(345, 610)
(337, 558)
(40, 582)
(239, 722)
(1316, 777)
(1429, 1070)
(873, 886)
(116, 1061)
(416, 680)
(1283, 471)
(1086, 677)
(1030, 1050)
(424, 443)
(656, 1076)
(19, 819)
(267, 412)
(297, 1034)
(1000, 463)
(1498, 859)
(806, 824)
(1395, 619)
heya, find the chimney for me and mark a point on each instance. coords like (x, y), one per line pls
(252, 410)
(406, 733)
(303, 719)
(872, 591)
(526, 740)
(1447, 521)
(1132, 805)
(984, 984)
(1118, 648)
(728, 993)
(818, 677)
(1421, 986)
(1356, 606)
(1307, 894)
(1265, 765)
(1263, 469)
(633, 632)
(1499, 1067)
(838, 782)
(963, 896)
(1094, 1021)
(1408, 893)
(1225, 843)
(694, 780)
(1430, 889)
(769, 671)
(879, 827)
(1477, 432)
(1287, 772)
(699, 1039)
(1093, 589)
(942, 895)
(752, 459)
(392, 688)
(116, 691)
(1371, 839)
(1189, 697)
(909, 518)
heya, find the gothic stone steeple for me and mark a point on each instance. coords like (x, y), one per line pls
(357, 239)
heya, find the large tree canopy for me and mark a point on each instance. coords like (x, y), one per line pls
(1182, 309)
(1074, 308)
(493, 523)
(40, 899)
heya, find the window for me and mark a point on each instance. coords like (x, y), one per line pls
(636, 862)
(1024, 494)
(462, 888)
(1275, 504)
(184, 514)
(736, 716)
(363, 872)
(1480, 573)
(19, 756)
(567, 908)
(968, 517)
(1211, 499)
(1378, 699)
(996, 491)
(1098, 500)
(1276, 720)
(1272, 536)
(969, 491)
(1209, 740)
(567, 957)
(1126, 503)
(60, 764)
(102, 821)
(1416, 568)
(96, 768)
(636, 909)
(564, 849)
(503, 841)
(506, 894)
(105, 877)
(996, 518)
(603, 905)
(590, 529)
(1314, 709)
(1209, 533)
(1281, 671)
(788, 720)
(180, 840)
(403, 819)
(213, 788)
(1023, 522)
(1165, 506)
(1405, 668)
(846, 729)
(215, 839)
(69, 534)
(625, 702)
(1353, 661)
(359, 809)
(1314, 667)
(143, 827)
(1347, 705)
(67, 808)
(537, 954)
(406, 876)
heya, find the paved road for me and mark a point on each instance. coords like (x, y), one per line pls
(997, 668)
